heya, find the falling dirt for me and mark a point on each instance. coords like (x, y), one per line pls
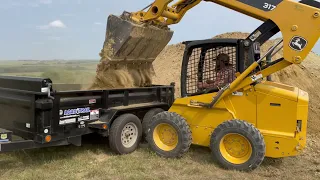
(122, 75)
(112, 75)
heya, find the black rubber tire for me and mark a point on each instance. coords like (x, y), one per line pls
(147, 119)
(116, 130)
(183, 131)
(245, 129)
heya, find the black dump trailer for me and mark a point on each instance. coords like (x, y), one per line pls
(31, 109)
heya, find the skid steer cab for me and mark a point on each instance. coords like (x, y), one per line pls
(261, 119)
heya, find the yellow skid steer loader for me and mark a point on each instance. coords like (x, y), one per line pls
(225, 103)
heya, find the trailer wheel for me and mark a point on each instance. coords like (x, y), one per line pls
(237, 145)
(169, 135)
(147, 119)
(125, 134)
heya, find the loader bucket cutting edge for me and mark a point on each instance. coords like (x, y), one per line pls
(133, 43)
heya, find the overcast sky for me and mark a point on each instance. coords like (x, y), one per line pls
(75, 29)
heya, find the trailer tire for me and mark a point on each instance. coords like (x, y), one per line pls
(147, 119)
(125, 134)
(237, 145)
(169, 135)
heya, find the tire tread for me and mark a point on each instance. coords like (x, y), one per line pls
(250, 130)
(183, 126)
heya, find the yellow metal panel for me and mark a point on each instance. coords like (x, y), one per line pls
(276, 112)
(277, 147)
(272, 89)
(201, 135)
(243, 105)
(280, 85)
(302, 114)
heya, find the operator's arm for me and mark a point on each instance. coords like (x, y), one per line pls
(294, 19)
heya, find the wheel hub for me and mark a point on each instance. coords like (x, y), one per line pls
(165, 137)
(129, 135)
(235, 148)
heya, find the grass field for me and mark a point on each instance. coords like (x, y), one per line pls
(73, 72)
(94, 160)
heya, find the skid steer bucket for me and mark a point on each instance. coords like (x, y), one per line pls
(133, 43)
(128, 52)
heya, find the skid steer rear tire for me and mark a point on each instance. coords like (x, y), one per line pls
(237, 145)
(147, 119)
(125, 134)
(169, 135)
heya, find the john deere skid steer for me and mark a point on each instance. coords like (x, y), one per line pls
(225, 103)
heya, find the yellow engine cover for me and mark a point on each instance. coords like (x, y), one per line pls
(275, 109)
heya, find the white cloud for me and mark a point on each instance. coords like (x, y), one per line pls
(53, 24)
(45, 1)
(98, 23)
(57, 24)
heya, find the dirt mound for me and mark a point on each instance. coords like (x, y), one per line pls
(167, 66)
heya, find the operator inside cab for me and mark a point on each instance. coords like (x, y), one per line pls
(224, 73)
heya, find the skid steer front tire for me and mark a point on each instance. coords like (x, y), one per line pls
(147, 119)
(169, 135)
(237, 145)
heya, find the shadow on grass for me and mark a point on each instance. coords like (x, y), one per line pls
(92, 143)
(200, 154)
(203, 155)
(275, 162)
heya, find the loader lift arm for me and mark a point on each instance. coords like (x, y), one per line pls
(294, 19)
